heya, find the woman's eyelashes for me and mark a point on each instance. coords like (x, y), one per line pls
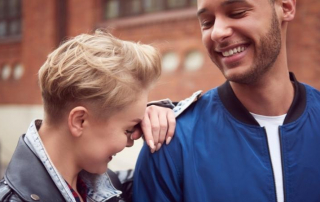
(130, 131)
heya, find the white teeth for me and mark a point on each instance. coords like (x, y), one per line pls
(233, 51)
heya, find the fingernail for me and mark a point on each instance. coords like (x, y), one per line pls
(158, 146)
(168, 140)
(151, 144)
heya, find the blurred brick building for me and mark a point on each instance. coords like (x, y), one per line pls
(31, 29)
(170, 25)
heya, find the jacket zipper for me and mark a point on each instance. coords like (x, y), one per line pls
(274, 180)
(283, 183)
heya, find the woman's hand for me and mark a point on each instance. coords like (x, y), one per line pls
(157, 126)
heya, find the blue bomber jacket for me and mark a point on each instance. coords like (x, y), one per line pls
(220, 153)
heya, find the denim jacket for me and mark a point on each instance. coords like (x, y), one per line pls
(31, 176)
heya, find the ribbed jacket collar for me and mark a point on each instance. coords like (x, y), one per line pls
(237, 110)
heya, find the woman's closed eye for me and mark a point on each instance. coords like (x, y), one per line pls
(130, 131)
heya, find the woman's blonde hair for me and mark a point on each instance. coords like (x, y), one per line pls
(99, 69)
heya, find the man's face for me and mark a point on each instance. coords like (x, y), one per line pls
(242, 37)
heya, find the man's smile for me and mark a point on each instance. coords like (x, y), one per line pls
(233, 51)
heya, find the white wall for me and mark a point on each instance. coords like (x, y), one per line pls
(15, 119)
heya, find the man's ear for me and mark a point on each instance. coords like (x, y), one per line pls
(76, 118)
(288, 9)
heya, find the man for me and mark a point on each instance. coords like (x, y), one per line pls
(254, 138)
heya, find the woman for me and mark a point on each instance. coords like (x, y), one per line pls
(95, 90)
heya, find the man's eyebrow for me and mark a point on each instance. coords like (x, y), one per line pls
(225, 3)
(228, 2)
(203, 10)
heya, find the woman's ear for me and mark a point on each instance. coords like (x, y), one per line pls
(288, 9)
(76, 119)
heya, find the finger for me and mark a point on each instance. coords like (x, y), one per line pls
(171, 126)
(154, 122)
(163, 122)
(147, 132)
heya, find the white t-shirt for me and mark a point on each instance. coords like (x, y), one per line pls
(271, 124)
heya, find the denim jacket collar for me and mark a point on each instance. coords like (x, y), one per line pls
(100, 187)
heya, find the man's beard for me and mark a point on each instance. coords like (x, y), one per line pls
(267, 54)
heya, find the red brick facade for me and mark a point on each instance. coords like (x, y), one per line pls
(45, 24)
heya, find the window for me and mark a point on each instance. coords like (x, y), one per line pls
(112, 9)
(10, 18)
(193, 60)
(176, 3)
(18, 71)
(152, 6)
(170, 61)
(193, 2)
(5, 72)
(124, 8)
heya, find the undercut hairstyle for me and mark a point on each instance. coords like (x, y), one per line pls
(96, 69)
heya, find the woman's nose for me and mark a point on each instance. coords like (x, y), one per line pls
(129, 142)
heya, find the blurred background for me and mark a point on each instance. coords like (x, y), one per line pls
(31, 29)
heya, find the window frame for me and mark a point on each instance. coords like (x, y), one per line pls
(9, 20)
(125, 12)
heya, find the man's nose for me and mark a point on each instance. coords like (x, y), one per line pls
(221, 30)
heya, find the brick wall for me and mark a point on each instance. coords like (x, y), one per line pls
(10, 54)
(170, 33)
(176, 31)
(304, 42)
(39, 38)
(82, 17)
